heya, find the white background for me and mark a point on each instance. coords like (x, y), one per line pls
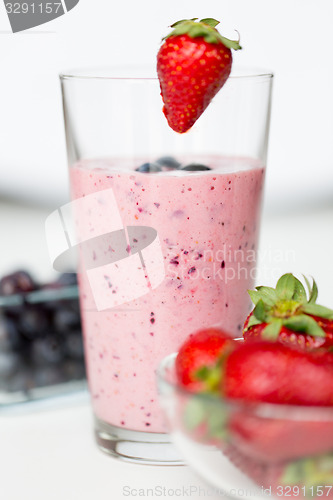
(291, 37)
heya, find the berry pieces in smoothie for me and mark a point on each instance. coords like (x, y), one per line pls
(188, 217)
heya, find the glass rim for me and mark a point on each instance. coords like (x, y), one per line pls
(263, 410)
(98, 74)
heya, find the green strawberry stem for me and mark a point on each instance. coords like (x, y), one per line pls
(205, 28)
(211, 376)
(310, 473)
(288, 305)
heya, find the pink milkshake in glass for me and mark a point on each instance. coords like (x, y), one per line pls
(169, 226)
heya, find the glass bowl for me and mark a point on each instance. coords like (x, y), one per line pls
(250, 450)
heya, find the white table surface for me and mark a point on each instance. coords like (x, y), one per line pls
(49, 452)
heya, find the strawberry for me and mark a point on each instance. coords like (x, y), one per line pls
(286, 314)
(193, 64)
(275, 440)
(266, 372)
(272, 372)
(198, 359)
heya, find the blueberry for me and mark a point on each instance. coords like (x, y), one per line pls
(44, 376)
(17, 282)
(48, 350)
(34, 322)
(195, 167)
(10, 337)
(67, 279)
(66, 318)
(149, 168)
(73, 345)
(9, 363)
(73, 369)
(21, 380)
(168, 162)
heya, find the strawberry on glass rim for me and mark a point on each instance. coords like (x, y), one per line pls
(193, 64)
(286, 314)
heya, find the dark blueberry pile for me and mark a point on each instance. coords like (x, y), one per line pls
(40, 332)
(166, 163)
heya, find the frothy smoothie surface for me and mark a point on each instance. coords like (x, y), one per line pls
(207, 223)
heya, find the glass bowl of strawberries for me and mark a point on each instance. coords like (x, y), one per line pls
(254, 416)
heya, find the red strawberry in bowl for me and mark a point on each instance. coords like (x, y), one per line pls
(198, 361)
(193, 64)
(285, 313)
(271, 372)
(198, 369)
(299, 423)
(265, 405)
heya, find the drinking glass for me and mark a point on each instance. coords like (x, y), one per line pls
(167, 229)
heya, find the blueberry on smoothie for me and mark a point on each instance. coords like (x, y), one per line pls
(149, 168)
(168, 162)
(195, 167)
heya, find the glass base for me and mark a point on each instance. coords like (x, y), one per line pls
(149, 448)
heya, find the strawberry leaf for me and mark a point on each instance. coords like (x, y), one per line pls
(183, 21)
(253, 321)
(299, 292)
(202, 373)
(197, 30)
(181, 29)
(230, 44)
(285, 287)
(317, 310)
(304, 323)
(205, 28)
(260, 311)
(309, 472)
(211, 22)
(313, 291)
(267, 294)
(210, 38)
(210, 375)
(255, 296)
(307, 284)
(272, 330)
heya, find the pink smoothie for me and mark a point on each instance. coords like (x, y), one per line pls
(207, 223)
